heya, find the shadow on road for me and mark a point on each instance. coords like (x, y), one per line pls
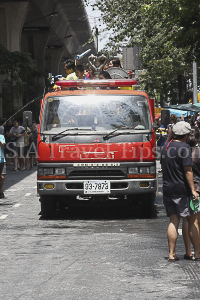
(13, 177)
(98, 212)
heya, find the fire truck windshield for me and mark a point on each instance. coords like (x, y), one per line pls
(95, 112)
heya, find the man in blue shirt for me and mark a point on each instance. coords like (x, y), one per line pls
(2, 161)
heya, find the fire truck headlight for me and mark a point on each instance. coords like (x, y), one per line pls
(133, 170)
(48, 171)
(153, 170)
(144, 170)
(59, 171)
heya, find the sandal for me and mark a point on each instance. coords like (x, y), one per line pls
(14, 169)
(188, 257)
(2, 195)
(176, 258)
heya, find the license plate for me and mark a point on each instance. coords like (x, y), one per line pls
(97, 187)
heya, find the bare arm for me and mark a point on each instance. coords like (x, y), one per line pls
(189, 177)
(23, 134)
(169, 134)
(9, 134)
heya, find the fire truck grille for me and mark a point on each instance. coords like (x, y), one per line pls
(100, 174)
(114, 186)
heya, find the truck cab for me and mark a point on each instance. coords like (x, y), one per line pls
(96, 143)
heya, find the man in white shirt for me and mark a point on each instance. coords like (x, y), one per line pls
(18, 132)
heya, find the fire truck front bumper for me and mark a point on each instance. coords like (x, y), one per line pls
(96, 187)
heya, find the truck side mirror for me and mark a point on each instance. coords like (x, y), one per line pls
(165, 117)
(27, 118)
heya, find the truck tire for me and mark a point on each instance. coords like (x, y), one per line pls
(147, 207)
(48, 206)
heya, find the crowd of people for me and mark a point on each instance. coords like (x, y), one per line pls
(18, 147)
(78, 71)
(164, 132)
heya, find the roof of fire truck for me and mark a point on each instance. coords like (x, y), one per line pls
(97, 86)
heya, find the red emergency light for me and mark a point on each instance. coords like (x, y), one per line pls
(97, 83)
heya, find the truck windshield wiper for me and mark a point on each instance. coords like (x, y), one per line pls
(107, 136)
(69, 129)
(111, 134)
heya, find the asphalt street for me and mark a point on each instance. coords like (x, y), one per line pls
(86, 254)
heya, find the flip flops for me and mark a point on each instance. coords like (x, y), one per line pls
(173, 259)
(185, 257)
(2, 195)
(189, 257)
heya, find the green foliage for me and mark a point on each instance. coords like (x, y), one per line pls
(20, 80)
(168, 32)
(17, 65)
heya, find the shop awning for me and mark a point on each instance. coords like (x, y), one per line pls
(185, 107)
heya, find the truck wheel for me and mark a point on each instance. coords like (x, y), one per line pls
(48, 206)
(147, 207)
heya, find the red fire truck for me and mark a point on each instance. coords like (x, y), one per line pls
(96, 143)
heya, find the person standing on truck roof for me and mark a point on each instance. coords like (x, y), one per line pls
(80, 71)
(178, 188)
(115, 63)
(90, 74)
(69, 67)
(104, 75)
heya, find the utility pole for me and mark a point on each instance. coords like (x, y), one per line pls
(195, 95)
(97, 33)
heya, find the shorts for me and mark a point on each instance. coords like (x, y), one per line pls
(2, 169)
(26, 149)
(32, 150)
(178, 205)
(20, 151)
